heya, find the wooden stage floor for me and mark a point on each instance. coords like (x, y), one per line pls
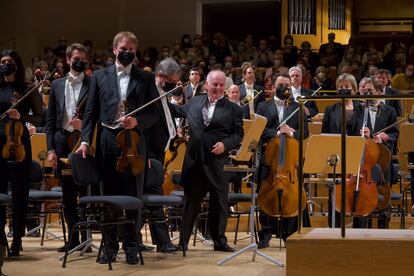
(200, 260)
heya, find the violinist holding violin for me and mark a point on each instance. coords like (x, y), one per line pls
(276, 111)
(110, 88)
(66, 95)
(16, 158)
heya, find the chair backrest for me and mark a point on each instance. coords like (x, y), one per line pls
(155, 174)
(36, 173)
(84, 169)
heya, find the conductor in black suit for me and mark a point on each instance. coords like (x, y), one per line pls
(110, 88)
(66, 94)
(216, 126)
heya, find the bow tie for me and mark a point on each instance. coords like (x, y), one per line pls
(122, 71)
(75, 80)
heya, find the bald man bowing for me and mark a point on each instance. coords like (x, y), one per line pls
(216, 126)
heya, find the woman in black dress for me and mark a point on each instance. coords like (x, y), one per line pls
(16, 172)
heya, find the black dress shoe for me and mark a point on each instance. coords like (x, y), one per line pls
(180, 247)
(131, 259)
(224, 248)
(145, 248)
(15, 248)
(168, 248)
(104, 260)
(263, 244)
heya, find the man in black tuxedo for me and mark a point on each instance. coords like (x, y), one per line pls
(66, 95)
(383, 77)
(110, 88)
(194, 86)
(310, 108)
(167, 74)
(275, 112)
(216, 126)
(249, 89)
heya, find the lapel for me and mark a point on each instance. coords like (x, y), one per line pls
(271, 108)
(61, 93)
(112, 81)
(133, 80)
(217, 110)
(337, 116)
(84, 90)
(242, 91)
(199, 110)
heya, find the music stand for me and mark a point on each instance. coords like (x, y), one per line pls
(244, 154)
(406, 134)
(324, 153)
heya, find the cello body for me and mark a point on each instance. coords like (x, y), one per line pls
(278, 194)
(361, 191)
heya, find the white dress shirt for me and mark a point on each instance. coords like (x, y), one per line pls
(168, 118)
(73, 87)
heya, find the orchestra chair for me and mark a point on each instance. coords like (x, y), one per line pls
(99, 211)
(155, 178)
(244, 161)
(42, 197)
(5, 200)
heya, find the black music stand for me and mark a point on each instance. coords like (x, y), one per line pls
(244, 154)
(324, 153)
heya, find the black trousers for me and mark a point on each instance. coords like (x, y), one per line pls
(70, 191)
(159, 231)
(19, 176)
(115, 183)
(218, 205)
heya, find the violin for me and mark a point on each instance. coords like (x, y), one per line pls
(130, 161)
(74, 139)
(361, 190)
(278, 194)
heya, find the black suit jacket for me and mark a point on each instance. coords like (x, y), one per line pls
(396, 104)
(158, 135)
(188, 92)
(386, 116)
(226, 126)
(56, 108)
(103, 99)
(331, 122)
(269, 110)
(311, 105)
(258, 99)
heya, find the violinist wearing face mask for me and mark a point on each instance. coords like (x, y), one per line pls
(404, 81)
(15, 163)
(64, 122)
(110, 88)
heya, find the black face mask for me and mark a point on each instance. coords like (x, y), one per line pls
(78, 66)
(8, 69)
(344, 92)
(125, 58)
(168, 86)
(283, 93)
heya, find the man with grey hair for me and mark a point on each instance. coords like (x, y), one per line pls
(167, 74)
(295, 74)
(216, 126)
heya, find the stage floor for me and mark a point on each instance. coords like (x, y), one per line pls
(200, 260)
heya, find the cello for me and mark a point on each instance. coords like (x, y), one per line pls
(278, 194)
(361, 190)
